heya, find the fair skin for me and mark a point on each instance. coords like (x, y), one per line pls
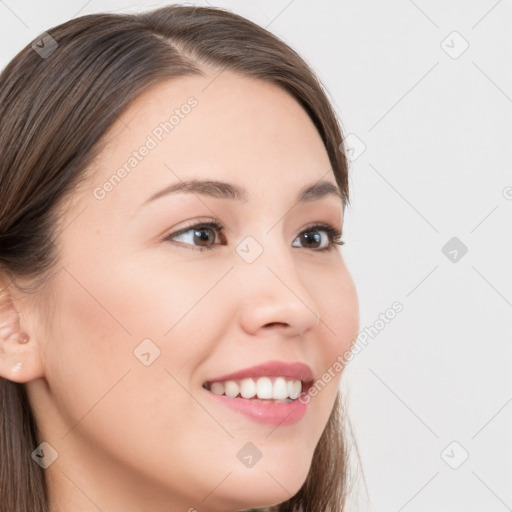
(132, 437)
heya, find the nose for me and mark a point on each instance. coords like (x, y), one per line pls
(274, 296)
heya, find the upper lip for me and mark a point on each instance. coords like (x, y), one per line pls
(295, 370)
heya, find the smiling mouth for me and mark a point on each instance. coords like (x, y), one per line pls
(261, 389)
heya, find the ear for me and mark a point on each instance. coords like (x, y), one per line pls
(20, 359)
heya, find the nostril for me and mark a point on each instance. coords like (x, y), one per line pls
(273, 324)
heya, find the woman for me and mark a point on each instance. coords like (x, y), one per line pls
(175, 312)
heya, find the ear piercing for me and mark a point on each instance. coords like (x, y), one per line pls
(23, 338)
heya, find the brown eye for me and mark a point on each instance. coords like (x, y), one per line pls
(201, 236)
(311, 237)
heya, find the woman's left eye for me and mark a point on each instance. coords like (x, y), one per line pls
(332, 236)
(311, 236)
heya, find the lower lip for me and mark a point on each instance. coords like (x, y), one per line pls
(270, 413)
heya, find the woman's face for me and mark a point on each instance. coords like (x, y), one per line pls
(142, 322)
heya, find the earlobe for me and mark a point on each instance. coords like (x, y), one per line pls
(19, 357)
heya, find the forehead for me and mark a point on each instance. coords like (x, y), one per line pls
(224, 126)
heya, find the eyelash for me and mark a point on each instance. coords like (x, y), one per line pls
(333, 234)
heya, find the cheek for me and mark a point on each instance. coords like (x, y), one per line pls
(123, 329)
(337, 330)
(101, 386)
(339, 316)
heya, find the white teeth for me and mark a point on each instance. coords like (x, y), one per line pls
(278, 388)
(232, 388)
(294, 388)
(264, 387)
(217, 388)
(248, 388)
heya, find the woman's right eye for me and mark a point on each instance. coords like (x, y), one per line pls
(202, 233)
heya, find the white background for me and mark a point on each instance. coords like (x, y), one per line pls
(437, 161)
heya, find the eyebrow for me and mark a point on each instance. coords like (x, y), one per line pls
(224, 190)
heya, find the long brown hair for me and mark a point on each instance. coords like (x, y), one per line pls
(58, 97)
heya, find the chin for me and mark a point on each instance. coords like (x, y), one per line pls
(265, 485)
